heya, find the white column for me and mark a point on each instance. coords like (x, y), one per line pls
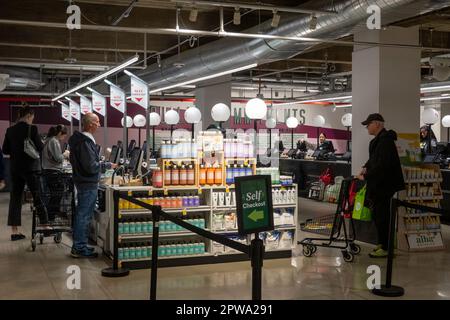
(208, 94)
(445, 110)
(386, 80)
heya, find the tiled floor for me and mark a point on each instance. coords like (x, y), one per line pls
(42, 274)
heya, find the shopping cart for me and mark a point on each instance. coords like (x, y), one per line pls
(56, 193)
(333, 226)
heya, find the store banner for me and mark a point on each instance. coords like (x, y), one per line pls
(99, 103)
(74, 110)
(85, 104)
(139, 92)
(65, 112)
(117, 98)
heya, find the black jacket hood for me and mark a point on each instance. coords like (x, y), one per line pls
(77, 138)
(391, 134)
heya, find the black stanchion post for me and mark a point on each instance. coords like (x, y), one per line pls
(154, 275)
(388, 290)
(257, 254)
(116, 270)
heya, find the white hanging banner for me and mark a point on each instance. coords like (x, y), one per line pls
(117, 98)
(74, 109)
(98, 103)
(139, 92)
(85, 104)
(65, 112)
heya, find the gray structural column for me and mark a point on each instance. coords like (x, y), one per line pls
(445, 110)
(207, 94)
(386, 80)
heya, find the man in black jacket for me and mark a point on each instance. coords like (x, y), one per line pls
(86, 167)
(23, 169)
(384, 177)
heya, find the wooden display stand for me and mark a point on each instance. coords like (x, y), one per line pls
(420, 231)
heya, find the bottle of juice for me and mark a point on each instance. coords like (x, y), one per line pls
(210, 175)
(229, 176)
(190, 175)
(202, 175)
(168, 176)
(218, 174)
(183, 175)
(157, 178)
(175, 175)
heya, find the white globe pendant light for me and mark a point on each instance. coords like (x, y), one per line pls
(318, 121)
(346, 120)
(256, 109)
(192, 115)
(139, 120)
(155, 119)
(430, 116)
(292, 122)
(446, 121)
(172, 117)
(220, 112)
(129, 122)
(271, 123)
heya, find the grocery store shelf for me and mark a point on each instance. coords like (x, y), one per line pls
(134, 212)
(424, 181)
(285, 227)
(179, 159)
(287, 205)
(421, 215)
(161, 235)
(436, 197)
(240, 159)
(188, 209)
(168, 257)
(423, 231)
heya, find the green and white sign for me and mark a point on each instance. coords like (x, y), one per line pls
(254, 204)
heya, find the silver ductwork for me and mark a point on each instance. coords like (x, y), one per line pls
(232, 53)
(12, 78)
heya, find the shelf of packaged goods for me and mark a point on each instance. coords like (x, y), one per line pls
(161, 235)
(168, 257)
(176, 188)
(237, 252)
(425, 181)
(136, 212)
(276, 206)
(285, 205)
(420, 215)
(277, 228)
(187, 209)
(436, 197)
(232, 186)
(179, 159)
(240, 159)
(423, 231)
(285, 227)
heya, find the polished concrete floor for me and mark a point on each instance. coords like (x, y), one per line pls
(42, 274)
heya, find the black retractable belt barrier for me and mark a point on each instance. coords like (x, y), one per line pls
(255, 251)
(388, 290)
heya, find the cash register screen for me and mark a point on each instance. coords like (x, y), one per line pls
(115, 154)
(135, 158)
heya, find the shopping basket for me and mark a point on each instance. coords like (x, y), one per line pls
(334, 227)
(56, 193)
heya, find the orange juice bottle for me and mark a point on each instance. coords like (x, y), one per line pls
(210, 175)
(202, 174)
(218, 174)
(175, 175)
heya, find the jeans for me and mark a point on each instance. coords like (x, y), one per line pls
(83, 216)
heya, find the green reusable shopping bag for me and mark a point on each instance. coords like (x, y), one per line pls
(360, 212)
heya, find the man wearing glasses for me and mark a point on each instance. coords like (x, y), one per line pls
(384, 177)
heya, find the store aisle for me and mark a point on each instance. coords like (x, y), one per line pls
(42, 274)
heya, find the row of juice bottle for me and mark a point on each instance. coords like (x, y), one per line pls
(183, 174)
(274, 174)
(421, 223)
(210, 174)
(178, 149)
(164, 250)
(238, 148)
(146, 227)
(164, 202)
(414, 173)
(237, 170)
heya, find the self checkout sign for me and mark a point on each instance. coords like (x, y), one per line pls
(254, 204)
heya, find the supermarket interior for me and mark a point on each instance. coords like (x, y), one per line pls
(225, 150)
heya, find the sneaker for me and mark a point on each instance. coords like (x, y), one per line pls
(380, 253)
(379, 246)
(18, 236)
(91, 249)
(83, 253)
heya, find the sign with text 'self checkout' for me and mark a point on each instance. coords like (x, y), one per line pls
(254, 204)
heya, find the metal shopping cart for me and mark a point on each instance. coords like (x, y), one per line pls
(56, 193)
(334, 226)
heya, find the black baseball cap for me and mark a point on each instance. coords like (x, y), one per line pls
(373, 117)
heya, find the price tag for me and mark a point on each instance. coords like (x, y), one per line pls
(246, 162)
(130, 193)
(227, 189)
(120, 216)
(150, 192)
(166, 192)
(200, 191)
(283, 189)
(184, 212)
(179, 163)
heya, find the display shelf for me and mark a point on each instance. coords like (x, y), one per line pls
(436, 197)
(427, 181)
(168, 257)
(179, 159)
(421, 215)
(206, 211)
(423, 231)
(162, 234)
(240, 159)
